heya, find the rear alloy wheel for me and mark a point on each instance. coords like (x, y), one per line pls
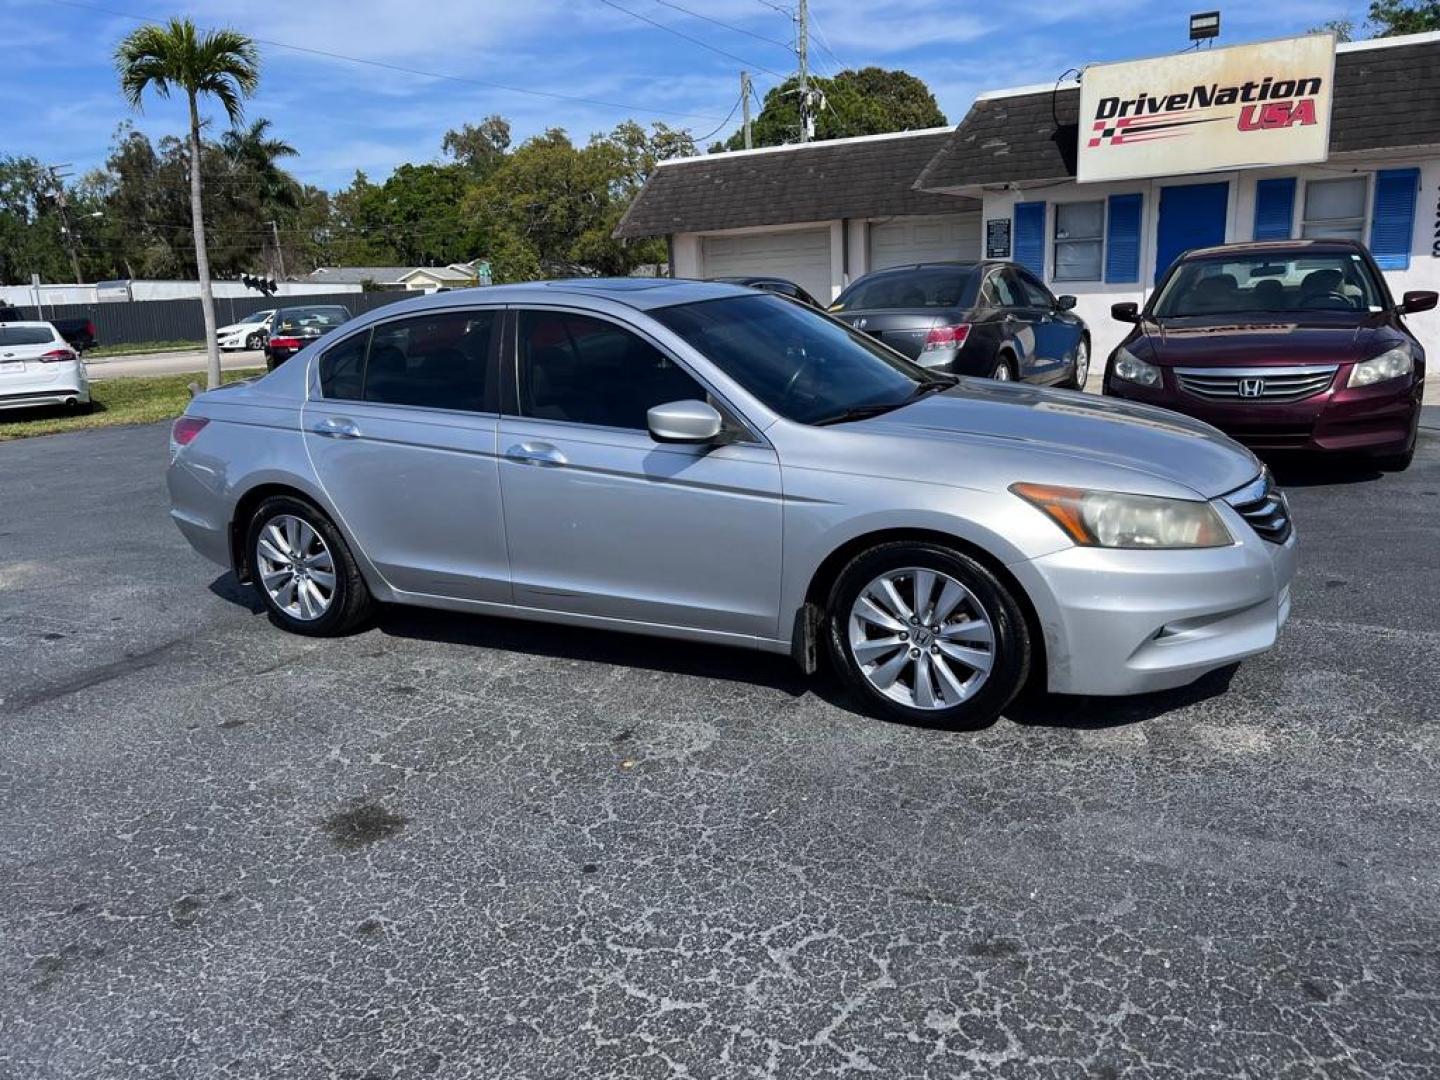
(1081, 371)
(303, 571)
(928, 636)
(1003, 371)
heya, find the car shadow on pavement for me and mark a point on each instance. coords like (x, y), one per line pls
(1299, 472)
(1094, 713)
(710, 661)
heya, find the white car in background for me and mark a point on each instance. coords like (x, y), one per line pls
(38, 367)
(249, 333)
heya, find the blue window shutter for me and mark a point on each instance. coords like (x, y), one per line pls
(1394, 218)
(1122, 239)
(1274, 208)
(1030, 237)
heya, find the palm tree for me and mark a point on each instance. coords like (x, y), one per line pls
(254, 149)
(224, 64)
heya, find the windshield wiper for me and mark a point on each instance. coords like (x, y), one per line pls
(941, 382)
(858, 412)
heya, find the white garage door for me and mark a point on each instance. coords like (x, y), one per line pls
(931, 238)
(802, 257)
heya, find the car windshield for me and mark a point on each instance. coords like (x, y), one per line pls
(256, 317)
(801, 364)
(315, 318)
(925, 287)
(1270, 282)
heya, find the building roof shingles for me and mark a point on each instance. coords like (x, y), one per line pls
(1385, 99)
(820, 182)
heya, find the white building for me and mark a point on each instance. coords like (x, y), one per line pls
(825, 213)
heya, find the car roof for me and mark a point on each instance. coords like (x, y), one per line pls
(643, 294)
(1276, 247)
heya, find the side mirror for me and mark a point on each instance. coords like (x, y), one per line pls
(1065, 303)
(1126, 312)
(1419, 301)
(684, 422)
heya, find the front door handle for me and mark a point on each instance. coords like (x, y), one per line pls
(535, 453)
(338, 427)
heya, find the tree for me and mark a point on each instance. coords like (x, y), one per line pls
(30, 237)
(870, 101)
(223, 64)
(1391, 18)
(478, 148)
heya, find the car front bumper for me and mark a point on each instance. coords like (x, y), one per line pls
(1130, 622)
(1377, 419)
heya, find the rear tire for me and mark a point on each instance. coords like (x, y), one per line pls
(928, 636)
(304, 571)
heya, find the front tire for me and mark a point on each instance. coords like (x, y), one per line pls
(254, 341)
(1081, 370)
(1003, 371)
(926, 635)
(303, 570)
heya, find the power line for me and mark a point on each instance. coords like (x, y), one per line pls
(729, 26)
(687, 37)
(711, 134)
(824, 44)
(386, 65)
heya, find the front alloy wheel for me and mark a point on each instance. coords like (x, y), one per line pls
(1002, 372)
(1082, 366)
(921, 638)
(928, 635)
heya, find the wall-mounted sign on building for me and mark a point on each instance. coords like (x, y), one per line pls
(1207, 111)
(997, 238)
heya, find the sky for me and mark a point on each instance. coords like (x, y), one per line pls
(59, 97)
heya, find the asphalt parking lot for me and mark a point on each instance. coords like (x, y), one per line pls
(455, 846)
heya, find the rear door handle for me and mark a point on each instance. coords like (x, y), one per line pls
(535, 453)
(338, 427)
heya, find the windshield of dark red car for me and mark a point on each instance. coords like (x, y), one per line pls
(1337, 281)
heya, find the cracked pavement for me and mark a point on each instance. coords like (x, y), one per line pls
(453, 846)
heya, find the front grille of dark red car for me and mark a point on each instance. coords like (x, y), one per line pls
(1265, 507)
(1256, 384)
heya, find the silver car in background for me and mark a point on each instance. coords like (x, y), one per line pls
(697, 460)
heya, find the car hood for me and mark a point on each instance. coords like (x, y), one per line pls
(1285, 338)
(1139, 438)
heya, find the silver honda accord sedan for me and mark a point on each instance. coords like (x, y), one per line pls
(699, 460)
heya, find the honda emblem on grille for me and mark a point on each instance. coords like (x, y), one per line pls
(1252, 387)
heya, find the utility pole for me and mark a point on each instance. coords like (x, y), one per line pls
(745, 105)
(279, 255)
(802, 51)
(58, 179)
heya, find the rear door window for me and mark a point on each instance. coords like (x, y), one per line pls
(342, 368)
(435, 361)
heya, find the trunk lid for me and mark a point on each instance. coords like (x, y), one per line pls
(903, 329)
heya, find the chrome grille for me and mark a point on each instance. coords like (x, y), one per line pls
(1265, 507)
(1256, 384)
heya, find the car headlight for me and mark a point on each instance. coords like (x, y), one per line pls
(1391, 364)
(1131, 368)
(1113, 519)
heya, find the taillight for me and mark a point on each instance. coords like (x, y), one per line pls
(184, 430)
(285, 343)
(947, 337)
(57, 356)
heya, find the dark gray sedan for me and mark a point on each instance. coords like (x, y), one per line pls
(987, 318)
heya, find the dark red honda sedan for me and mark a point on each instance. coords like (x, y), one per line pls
(1283, 345)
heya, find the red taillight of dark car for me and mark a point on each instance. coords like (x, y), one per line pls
(947, 337)
(57, 356)
(285, 343)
